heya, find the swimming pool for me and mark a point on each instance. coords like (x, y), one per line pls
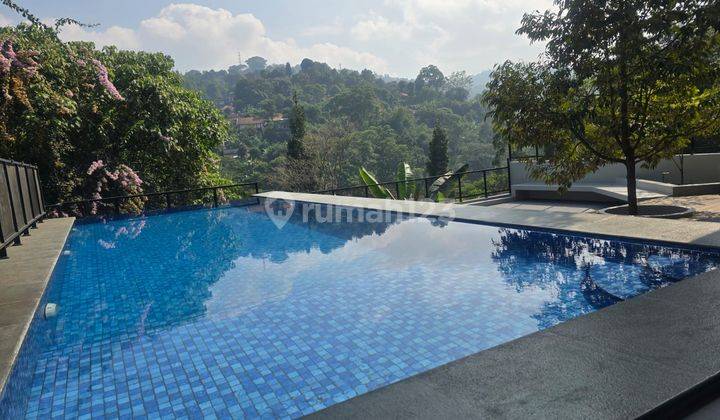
(219, 312)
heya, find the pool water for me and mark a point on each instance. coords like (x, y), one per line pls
(220, 313)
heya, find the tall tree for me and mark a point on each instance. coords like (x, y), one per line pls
(256, 64)
(430, 76)
(623, 81)
(295, 148)
(438, 153)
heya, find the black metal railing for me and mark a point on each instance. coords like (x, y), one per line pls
(116, 205)
(465, 185)
(21, 202)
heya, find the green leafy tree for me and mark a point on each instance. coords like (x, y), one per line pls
(438, 153)
(126, 109)
(626, 82)
(360, 104)
(458, 86)
(295, 149)
(256, 64)
(430, 76)
(249, 93)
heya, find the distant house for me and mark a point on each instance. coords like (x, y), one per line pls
(256, 122)
(250, 122)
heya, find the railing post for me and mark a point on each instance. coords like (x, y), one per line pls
(12, 205)
(509, 183)
(460, 197)
(167, 201)
(397, 190)
(257, 188)
(215, 197)
(3, 251)
(485, 183)
(537, 153)
(22, 200)
(427, 189)
(117, 206)
(682, 169)
(367, 191)
(32, 207)
(41, 200)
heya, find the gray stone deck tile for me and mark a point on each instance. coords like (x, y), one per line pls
(543, 375)
(23, 278)
(677, 231)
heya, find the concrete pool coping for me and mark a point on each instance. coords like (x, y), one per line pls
(680, 232)
(619, 362)
(24, 276)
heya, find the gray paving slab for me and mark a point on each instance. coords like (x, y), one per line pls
(675, 231)
(551, 206)
(543, 375)
(23, 278)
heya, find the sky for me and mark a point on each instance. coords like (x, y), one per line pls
(394, 37)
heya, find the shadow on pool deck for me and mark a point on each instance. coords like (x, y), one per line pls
(23, 277)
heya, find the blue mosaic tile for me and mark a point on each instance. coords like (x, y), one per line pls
(217, 313)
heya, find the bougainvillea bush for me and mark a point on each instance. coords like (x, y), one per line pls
(113, 182)
(67, 106)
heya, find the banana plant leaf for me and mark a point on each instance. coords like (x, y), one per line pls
(444, 181)
(377, 191)
(406, 189)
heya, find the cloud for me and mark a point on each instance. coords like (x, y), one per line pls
(123, 38)
(199, 37)
(5, 21)
(454, 34)
(329, 29)
(388, 36)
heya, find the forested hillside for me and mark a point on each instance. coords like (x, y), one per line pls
(354, 119)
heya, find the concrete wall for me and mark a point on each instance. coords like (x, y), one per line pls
(699, 169)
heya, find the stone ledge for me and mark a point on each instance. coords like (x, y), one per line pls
(23, 278)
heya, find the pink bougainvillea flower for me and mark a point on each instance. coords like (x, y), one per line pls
(104, 79)
(23, 60)
(5, 64)
(98, 164)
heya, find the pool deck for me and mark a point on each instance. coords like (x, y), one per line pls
(23, 277)
(623, 361)
(680, 232)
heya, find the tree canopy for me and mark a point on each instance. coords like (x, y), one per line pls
(80, 106)
(627, 81)
(296, 149)
(353, 119)
(438, 155)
